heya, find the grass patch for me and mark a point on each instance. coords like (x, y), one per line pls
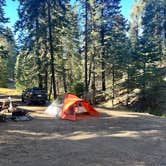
(163, 116)
(7, 91)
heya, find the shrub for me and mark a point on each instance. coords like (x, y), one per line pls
(77, 88)
(150, 100)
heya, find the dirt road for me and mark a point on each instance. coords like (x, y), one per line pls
(116, 138)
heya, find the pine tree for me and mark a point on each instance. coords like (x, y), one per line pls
(3, 61)
(3, 19)
(108, 9)
(70, 60)
(132, 60)
(12, 53)
(112, 39)
(49, 36)
(3, 46)
(151, 43)
(147, 46)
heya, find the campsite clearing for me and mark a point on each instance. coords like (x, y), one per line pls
(114, 138)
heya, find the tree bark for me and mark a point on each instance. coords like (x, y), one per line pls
(40, 84)
(103, 55)
(45, 67)
(86, 46)
(128, 86)
(51, 50)
(113, 85)
(93, 58)
(64, 80)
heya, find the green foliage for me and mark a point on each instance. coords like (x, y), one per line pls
(164, 116)
(11, 49)
(3, 19)
(7, 57)
(3, 73)
(77, 88)
(152, 100)
(147, 54)
(88, 42)
(48, 31)
(25, 71)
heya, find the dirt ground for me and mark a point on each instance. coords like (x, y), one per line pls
(115, 138)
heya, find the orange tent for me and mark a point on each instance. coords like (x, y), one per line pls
(73, 105)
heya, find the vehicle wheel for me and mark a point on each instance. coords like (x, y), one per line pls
(44, 103)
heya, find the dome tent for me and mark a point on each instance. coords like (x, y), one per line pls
(69, 107)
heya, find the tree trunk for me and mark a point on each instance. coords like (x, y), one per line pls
(128, 86)
(40, 84)
(51, 50)
(164, 28)
(93, 58)
(103, 55)
(64, 80)
(93, 82)
(46, 80)
(50, 90)
(90, 71)
(113, 85)
(45, 70)
(86, 47)
(144, 77)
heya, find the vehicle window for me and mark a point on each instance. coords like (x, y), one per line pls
(37, 92)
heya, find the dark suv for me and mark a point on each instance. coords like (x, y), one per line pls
(34, 95)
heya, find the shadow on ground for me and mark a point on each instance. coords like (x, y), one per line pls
(114, 138)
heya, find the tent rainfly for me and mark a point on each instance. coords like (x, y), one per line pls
(69, 107)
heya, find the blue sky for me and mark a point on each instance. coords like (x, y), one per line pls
(126, 7)
(11, 10)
